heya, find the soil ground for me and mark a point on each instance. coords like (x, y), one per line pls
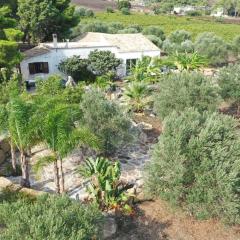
(155, 220)
(97, 5)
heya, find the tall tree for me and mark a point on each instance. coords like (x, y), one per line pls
(8, 90)
(22, 128)
(61, 136)
(39, 19)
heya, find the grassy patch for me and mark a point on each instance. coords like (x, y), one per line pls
(172, 23)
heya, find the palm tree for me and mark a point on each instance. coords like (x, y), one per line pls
(8, 90)
(137, 95)
(22, 131)
(58, 130)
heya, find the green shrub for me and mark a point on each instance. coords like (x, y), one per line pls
(125, 11)
(182, 90)
(77, 68)
(178, 41)
(229, 83)
(154, 39)
(109, 10)
(194, 13)
(50, 218)
(128, 30)
(107, 120)
(89, 13)
(51, 86)
(236, 45)
(212, 47)
(154, 30)
(105, 185)
(102, 62)
(196, 165)
(123, 4)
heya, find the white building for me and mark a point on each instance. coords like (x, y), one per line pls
(218, 12)
(183, 10)
(45, 58)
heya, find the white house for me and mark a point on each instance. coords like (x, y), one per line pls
(44, 59)
(218, 12)
(182, 10)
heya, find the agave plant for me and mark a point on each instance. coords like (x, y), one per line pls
(189, 62)
(137, 94)
(146, 69)
(105, 185)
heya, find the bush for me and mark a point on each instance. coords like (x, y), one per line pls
(83, 12)
(154, 30)
(109, 10)
(128, 30)
(236, 45)
(106, 120)
(51, 86)
(179, 36)
(183, 90)
(154, 39)
(229, 83)
(107, 189)
(102, 62)
(125, 11)
(178, 41)
(89, 13)
(123, 4)
(49, 218)
(212, 47)
(77, 68)
(196, 165)
(194, 13)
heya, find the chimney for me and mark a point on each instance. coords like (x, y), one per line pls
(67, 42)
(55, 41)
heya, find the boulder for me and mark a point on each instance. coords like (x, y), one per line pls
(110, 227)
(2, 156)
(5, 146)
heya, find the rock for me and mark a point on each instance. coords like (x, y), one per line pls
(5, 146)
(145, 126)
(2, 156)
(32, 192)
(110, 227)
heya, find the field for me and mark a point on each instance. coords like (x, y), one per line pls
(172, 23)
(96, 5)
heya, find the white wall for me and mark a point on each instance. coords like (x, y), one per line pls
(55, 56)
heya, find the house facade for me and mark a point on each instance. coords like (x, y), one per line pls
(44, 59)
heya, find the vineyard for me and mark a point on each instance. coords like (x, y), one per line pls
(171, 23)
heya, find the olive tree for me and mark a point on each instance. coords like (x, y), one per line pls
(212, 47)
(196, 164)
(107, 120)
(186, 89)
(229, 82)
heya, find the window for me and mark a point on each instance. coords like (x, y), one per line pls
(38, 67)
(130, 63)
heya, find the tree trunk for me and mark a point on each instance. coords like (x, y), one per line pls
(56, 177)
(25, 170)
(62, 176)
(238, 109)
(13, 157)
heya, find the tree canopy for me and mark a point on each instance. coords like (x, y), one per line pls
(41, 18)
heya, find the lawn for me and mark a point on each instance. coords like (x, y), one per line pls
(172, 23)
